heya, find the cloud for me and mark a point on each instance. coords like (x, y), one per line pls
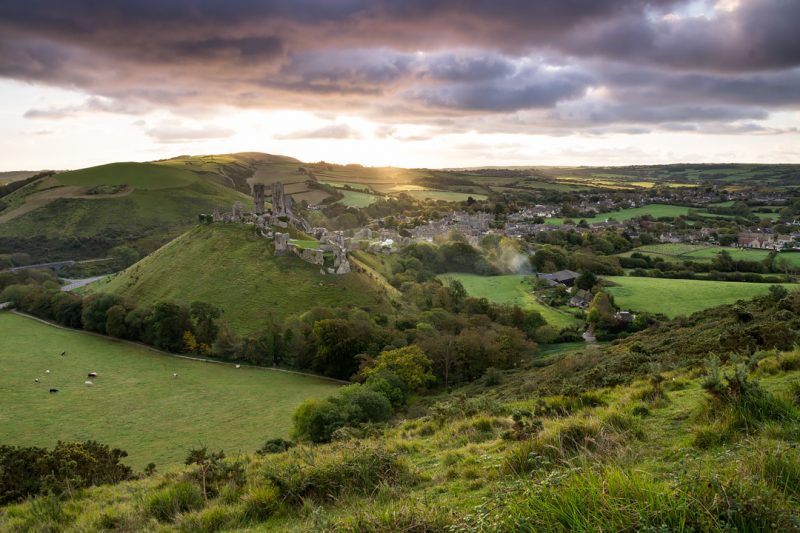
(334, 131)
(185, 134)
(495, 65)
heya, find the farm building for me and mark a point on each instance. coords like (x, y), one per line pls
(562, 277)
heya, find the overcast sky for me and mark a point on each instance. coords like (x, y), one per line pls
(444, 83)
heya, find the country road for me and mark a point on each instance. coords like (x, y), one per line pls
(73, 284)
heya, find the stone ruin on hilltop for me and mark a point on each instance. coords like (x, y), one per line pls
(282, 215)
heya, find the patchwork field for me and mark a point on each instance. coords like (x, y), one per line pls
(135, 403)
(674, 297)
(693, 252)
(233, 268)
(654, 210)
(357, 199)
(514, 289)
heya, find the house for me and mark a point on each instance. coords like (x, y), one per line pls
(755, 240)
(625, 316)
(563, 277)
(581, 298)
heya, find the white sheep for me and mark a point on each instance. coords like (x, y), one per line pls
(87, 382)
(238, 366)
(174, 375)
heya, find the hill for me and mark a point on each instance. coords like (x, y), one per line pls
(135, 403)
(233, 268)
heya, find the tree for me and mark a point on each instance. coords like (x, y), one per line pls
(601, 312)
(586, 281)
(410, 364)
(169, 321)
(205, 316)
(95, 311)
(115, 321)
(227, 343)
(338, 342)
(124, 255)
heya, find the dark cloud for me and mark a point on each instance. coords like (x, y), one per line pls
(520, 63)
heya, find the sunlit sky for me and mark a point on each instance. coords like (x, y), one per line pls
(415, 83)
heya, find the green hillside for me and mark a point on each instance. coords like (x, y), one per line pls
(233, 268)
(84, 213)
(133, 384)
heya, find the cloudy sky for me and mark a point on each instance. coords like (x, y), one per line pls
(412, 83)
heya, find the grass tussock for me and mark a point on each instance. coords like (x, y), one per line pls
(164, 505)
(396, 516)
(774, 362)
(563, 441)
(346, 468)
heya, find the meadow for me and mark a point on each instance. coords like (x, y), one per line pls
(674, 297)
(513, 289)
(695, 252)
(357, 198)
(135, 403)
(653, 210)
(234, 269)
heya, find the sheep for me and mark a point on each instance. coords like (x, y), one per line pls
(36, 380)
(46, 371)
(238, 366)
(63, 353)
(174, 375)
(91, 375)
(53, 391)
(87, 382)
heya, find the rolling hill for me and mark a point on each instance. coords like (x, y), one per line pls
(233, 268)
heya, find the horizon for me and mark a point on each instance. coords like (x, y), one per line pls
(411, 85)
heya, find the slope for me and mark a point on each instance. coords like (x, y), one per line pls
(233, 268)
(84, 213)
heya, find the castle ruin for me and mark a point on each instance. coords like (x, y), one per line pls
(258, 199)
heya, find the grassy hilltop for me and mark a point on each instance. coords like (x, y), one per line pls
(234, 269)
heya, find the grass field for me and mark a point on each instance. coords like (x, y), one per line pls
(135, 403)
(654, 210)
(146, 176)
(674, 297)
(357, 199)
(512, 289)
(694, 252)
(233, 268)
(446, 196)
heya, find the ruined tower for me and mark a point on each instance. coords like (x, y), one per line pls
(278, 200)
(258, 198)
(237, 212)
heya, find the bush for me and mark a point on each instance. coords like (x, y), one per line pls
(166, 504)
(260, 503)
(207, 520)
(275, 446)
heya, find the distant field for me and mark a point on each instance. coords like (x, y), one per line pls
(654, 210)
(512, 289)
(674, 297)
(446, 196)
(694, 252)
(135, 403)
(357, 199)
(15, 175)
(231, 267)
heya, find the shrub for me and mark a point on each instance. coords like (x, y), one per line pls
(344, 468)
(166, 504)
(493, 377)
(567, 405)
(260, 503)
(275, 446)
(207, 520)
(396, 516)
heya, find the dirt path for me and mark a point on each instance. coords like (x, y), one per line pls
(39, 199)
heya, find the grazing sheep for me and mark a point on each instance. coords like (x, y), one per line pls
(174, 375)
(238, 366)
(92, 375)
(88, 383)
(46, 371)
(36, 380)
(53, 390)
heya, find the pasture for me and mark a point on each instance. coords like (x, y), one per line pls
(674, 297)
(357, 199)
(135, 403)
(146, 176)
(654, 210)
(445, 196)
(698, 252)
(513, 289)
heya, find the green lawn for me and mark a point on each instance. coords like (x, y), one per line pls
(233, 268)
(135, 403)
(515, 289)
(674, 297)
